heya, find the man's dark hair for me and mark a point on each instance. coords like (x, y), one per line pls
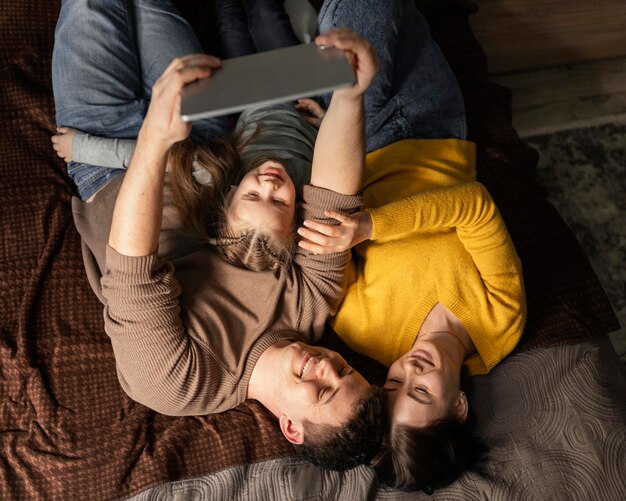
(431, 457)
(352, 444)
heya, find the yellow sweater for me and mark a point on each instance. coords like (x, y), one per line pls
(437, 237)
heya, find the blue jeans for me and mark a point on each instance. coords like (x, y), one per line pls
(250, 26)
(107, 56)
(415, 94)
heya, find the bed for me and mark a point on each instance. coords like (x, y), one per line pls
(553, 413)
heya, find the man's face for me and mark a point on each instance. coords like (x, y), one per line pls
(318, 385)
(423, 386)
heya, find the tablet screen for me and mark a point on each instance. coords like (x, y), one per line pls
(275, 76)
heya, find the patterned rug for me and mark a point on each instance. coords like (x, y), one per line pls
(584, 174)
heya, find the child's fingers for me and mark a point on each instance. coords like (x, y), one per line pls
(311, 120)
(310, 106)
(63, 130)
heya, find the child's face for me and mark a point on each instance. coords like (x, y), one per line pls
(264, 200)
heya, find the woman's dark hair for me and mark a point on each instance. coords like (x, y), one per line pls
(431, 457)
(354, 443)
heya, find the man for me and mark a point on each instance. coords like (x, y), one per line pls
(191, 333)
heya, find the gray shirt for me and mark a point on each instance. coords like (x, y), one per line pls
(278, 130)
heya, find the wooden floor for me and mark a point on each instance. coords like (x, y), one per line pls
(565, 60)
(527, 34)
(569, 96)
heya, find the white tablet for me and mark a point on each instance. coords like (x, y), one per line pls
(275, 76)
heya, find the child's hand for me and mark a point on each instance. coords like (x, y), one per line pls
(320, 238)
(62, 142)
(311, 111)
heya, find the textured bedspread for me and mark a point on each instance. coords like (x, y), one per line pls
(67, 431)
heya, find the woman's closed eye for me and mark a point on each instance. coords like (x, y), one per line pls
(279, 202)
(252, 195)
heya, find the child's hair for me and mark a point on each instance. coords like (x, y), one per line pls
(253, 250)
(203, 206)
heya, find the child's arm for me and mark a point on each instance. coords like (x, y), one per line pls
(74, 145)
(339, 154)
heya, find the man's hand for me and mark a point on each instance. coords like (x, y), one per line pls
(320, 238)
(163, 124)
(361, 56)
(62, 142)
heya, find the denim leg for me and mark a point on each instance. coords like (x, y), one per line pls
(100, 83)
(250, 26)
(269, 25)
(233, 33)
(414, 94)
(95, 70)
(162, 35)
(96, 79)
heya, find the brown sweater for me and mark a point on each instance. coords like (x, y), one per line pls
(186, 327)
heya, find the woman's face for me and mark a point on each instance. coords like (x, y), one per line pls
(424, 385)
(264, 200)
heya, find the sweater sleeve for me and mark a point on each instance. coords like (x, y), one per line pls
(322, 277)
(469, 210)
(102, 151)
(159, 364)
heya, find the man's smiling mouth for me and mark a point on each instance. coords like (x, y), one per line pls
(306, 365)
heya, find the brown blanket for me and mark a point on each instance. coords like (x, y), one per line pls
(67, 431)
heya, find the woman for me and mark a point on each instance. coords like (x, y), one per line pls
(436, 284)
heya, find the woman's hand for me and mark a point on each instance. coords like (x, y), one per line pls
(361, 56)
(163, 124)
(320, 238)
(62, 142)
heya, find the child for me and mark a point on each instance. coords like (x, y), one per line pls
(275, 133)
